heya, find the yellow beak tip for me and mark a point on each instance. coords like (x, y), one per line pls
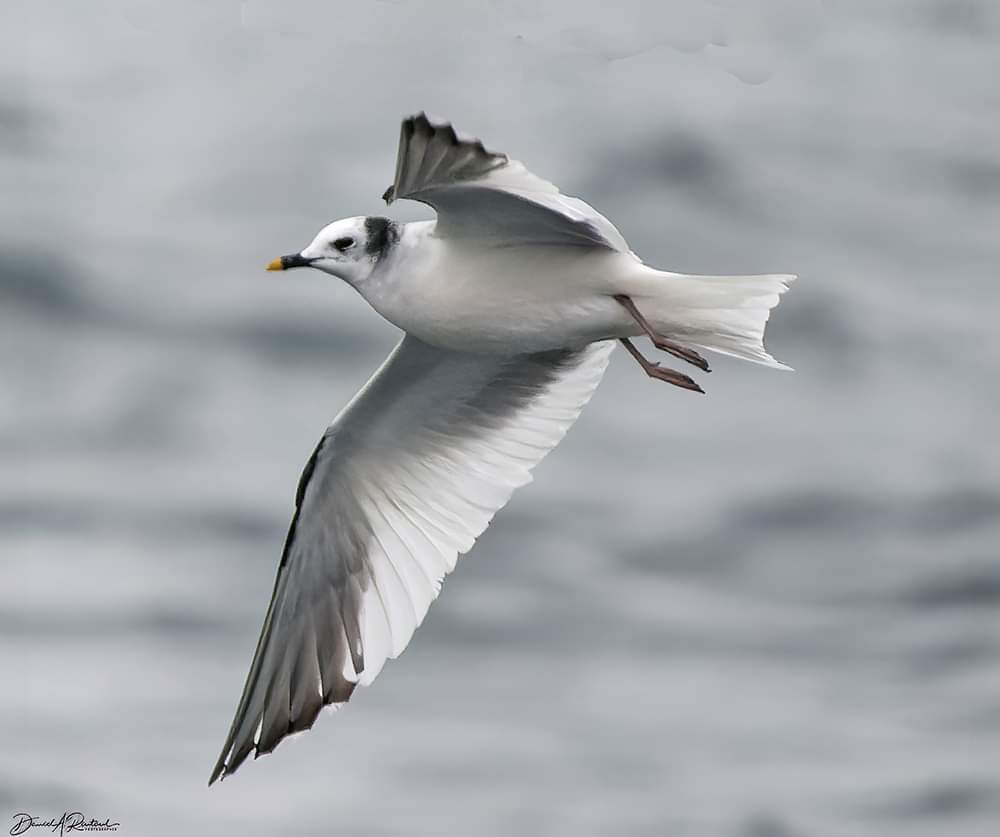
(275, 264)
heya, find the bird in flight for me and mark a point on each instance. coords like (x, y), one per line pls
(511, 303)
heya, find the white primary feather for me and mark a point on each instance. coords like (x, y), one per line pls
(403, 482)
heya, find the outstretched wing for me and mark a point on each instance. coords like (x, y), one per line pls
(403, 482)
(485, 195)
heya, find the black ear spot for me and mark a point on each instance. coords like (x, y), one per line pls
(345, 243)
(381, 234)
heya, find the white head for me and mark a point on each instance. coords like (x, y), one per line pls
(349, 248)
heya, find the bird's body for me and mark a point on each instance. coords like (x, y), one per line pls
(465, 296)
(510, 301)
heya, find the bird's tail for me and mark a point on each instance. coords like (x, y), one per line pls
(726, 314)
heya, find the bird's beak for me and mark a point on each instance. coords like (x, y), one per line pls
(286, 262)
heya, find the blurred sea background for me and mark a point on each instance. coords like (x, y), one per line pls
(769, 612)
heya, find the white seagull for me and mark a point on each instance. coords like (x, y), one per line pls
(511, 302)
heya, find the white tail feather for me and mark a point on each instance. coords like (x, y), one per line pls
(726, 314)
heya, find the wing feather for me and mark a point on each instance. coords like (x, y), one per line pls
(403, 482)
(485, 195)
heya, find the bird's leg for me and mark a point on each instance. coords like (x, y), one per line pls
(677, 350)
(661, 373)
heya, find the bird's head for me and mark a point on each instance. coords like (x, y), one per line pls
(349, 248)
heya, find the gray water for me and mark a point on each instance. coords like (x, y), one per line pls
(769, 612)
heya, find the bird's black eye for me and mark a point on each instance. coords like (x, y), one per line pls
(344, 243)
